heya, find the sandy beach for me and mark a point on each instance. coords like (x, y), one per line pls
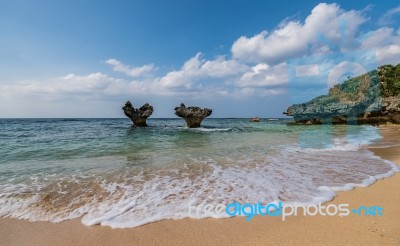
(300, 230)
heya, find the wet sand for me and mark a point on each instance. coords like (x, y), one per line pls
(300, 230)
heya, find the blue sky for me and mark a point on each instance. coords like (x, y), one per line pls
(86, 58)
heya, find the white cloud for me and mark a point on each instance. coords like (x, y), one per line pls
(377, 38)
(387, 18)
(262, 75)
(224, 72)
(307, 70)
(91, 85)
(386, 42)
(221, 68)
(197, 68)
(294, 39)
(256, 65)
(273, 92)
(389, 54)
(69, 84)
(190, 80)
(131, 71)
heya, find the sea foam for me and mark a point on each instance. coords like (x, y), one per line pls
(177, 168)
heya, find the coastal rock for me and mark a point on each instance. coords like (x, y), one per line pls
(255, 119)
(192, 115)
(387, 112)
(138, 115)
(367, 99)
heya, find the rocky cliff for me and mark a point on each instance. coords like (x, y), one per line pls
(139, 115)
(192, 115)
(372, 98)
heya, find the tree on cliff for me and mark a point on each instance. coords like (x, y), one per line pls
(389, 77)
(371, 98)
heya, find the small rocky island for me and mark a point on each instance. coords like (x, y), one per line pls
(138, 115)
(371, 98)
(255, 119)
(192, 115)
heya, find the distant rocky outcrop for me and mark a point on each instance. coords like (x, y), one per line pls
(255, 119)
(372, 98)
(192, 115)
(138, 115)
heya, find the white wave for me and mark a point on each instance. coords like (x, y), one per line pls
(203, 129)
(132, 196)
(355, 139)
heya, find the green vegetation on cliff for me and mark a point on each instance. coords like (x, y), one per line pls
(389, 76)
(373, 97)
(357, 88)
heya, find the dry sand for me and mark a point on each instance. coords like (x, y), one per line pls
(317, 230)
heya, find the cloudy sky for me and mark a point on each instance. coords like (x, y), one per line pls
(245, 58)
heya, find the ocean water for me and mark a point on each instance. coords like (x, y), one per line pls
(107, 172)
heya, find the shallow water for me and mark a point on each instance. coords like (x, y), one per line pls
(113, 174)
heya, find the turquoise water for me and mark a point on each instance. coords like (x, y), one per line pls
(110, 173)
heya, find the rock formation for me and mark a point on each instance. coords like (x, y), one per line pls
(255, 119)
(372, 98)
(381, 111)
(138, 115)
(192, 115)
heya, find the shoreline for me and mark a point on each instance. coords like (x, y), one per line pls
(299, 230)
